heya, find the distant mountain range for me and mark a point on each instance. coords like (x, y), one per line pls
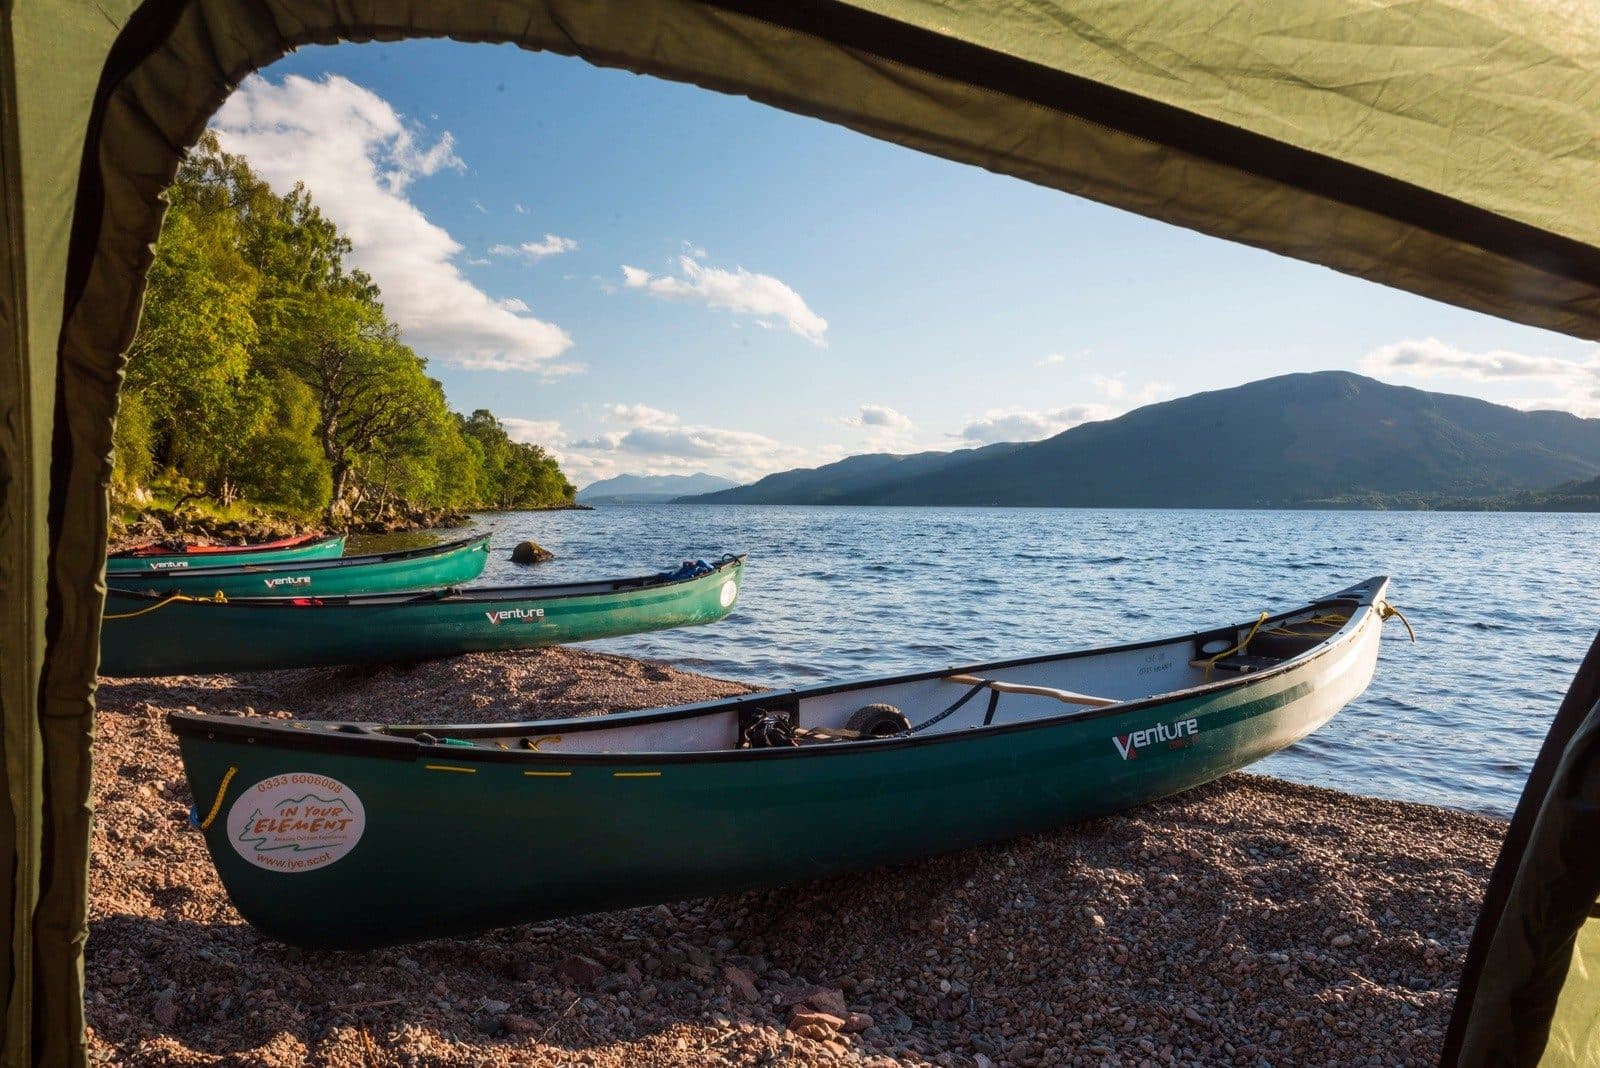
(1328, 439)
(650, 489)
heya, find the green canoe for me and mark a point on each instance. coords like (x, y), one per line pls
(165, 557)
(406, 569)
(348, 834)
(153, 635)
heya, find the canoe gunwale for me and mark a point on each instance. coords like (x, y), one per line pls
(156, 550)
(333, 563)
(447, 595)
(354, 739)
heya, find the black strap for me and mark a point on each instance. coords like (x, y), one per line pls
(994, 703)
(969, 695)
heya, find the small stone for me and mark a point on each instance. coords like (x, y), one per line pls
(856, 1022)
(165, 1011)
(1341, 940)
(515, 1024)
(803, 1018)
(742, 981)
(825, 999)
(493, 1007)
(578, 970)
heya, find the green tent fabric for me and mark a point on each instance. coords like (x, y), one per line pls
(1447, 147)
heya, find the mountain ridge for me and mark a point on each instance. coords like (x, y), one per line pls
(638, 489)
(1299, 440)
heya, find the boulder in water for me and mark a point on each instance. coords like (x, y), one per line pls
(531, 552)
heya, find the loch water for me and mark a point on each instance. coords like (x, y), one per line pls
(1504, 606)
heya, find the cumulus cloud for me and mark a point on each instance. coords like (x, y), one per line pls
(546, 432)
(879, 415)
(1576, 383)
(1019, 424)
(639, 415)
(655, 442)
(358, 156)
(1113, 387)
(1016, 424)
(764, 299)
(533, 251)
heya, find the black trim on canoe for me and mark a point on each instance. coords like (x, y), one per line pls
(394, 742)
(451, 594)
(330, 563)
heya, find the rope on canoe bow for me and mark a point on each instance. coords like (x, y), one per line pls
(1212, 662)
(216, 806)
(1389, 611)
(215, 598)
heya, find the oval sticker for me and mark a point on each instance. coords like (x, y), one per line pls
(296, 822)
(730, 590)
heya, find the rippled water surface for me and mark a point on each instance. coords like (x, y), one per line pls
(1504, 606)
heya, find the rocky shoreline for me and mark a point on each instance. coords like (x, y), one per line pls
(1251, 921)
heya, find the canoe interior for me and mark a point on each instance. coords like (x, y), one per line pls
(1129, 675)
(451, 595)
(161, 548)
(219, 570)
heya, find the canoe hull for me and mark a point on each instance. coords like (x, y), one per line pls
(313, 549)
(452, 845)
(188, 637)
(411, 570)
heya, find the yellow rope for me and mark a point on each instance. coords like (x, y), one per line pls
(1389, 611)
(1237, 648)
(216, 806)
(215, 598)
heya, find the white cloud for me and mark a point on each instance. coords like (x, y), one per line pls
(519, 209)
(639, 415)
(1019, 424)
(1015, 424)
(656, 443)
(882, 416)
(768, 301)
(546, 432)
(357, 156)
(1114, 388)
(533, 251)
(1576, 383)
(513, 304)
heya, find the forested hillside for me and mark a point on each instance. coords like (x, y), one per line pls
(1329, 439)
(265, 370)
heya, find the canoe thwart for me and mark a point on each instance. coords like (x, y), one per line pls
(1065, 696)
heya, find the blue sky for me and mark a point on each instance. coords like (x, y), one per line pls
(652, 278)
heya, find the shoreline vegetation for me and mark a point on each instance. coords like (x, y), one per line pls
(1251, 921)
(268, 392)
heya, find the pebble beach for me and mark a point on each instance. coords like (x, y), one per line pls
(1251, 922)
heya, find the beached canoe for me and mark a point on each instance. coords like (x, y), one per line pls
(348, 834)
(151, 635)
(446, 564)
(164, 556)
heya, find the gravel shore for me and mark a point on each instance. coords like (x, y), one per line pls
(1250, 922)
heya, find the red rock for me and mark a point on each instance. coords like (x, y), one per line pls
(516, 1024)
(742, 981)
(856, 1022)
(578, 970)
(826, 999)
(803, 1018)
